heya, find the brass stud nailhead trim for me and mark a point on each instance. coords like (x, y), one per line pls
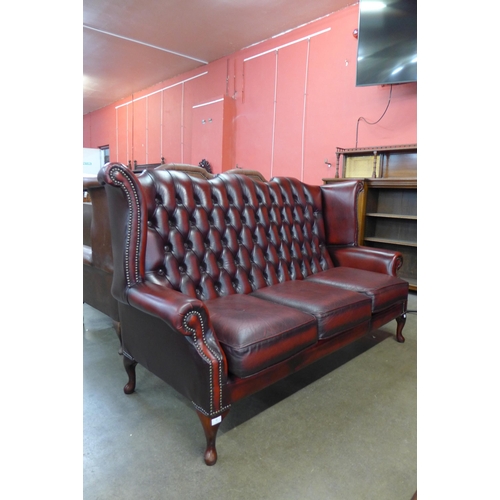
(202, 354)
(112, 174)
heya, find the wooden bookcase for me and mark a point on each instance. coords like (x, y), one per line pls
(390, 221)
(387, 208)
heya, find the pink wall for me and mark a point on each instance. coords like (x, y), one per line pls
(295, 101)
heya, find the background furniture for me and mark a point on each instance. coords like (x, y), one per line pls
(377, 161)
(192, 170)
(97, 252)
(196, 171)
(254, 174)
(139, 168)
(387, 208)
(390, 221)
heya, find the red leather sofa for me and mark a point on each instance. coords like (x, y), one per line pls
(229, 284)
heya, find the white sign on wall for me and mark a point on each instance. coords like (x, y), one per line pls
(91, 161)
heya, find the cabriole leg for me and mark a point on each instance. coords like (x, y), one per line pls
(129, 365)
(118, 330)
(400, 320)
(210, 427)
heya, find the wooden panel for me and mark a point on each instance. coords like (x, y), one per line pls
(400, 164)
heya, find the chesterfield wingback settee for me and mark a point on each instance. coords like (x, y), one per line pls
(227, 285)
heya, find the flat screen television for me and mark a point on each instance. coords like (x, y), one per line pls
(387, 42)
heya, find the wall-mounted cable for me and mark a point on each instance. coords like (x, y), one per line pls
(373, 123)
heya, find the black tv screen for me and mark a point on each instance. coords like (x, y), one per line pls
(387, 42)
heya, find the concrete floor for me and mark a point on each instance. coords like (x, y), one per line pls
(342, 429)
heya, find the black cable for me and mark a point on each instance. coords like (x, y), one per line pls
(374, 123)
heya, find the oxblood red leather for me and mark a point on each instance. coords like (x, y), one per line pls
(230, 234)
(256, 334)
(377, 260)
(335, 309)
(383, 290)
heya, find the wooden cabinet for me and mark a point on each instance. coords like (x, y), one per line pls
(390, 221)
(387, 208)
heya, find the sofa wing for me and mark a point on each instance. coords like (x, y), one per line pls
(128, 219)
(166, 331)
(340, 211)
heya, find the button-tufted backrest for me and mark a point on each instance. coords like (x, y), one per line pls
(230, 234)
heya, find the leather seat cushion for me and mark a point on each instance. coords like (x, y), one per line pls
(256, 334)
(383, 290)
(335, 309)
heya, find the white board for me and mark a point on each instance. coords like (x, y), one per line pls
(91, 161)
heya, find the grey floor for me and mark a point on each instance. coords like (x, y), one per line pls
(342, 429)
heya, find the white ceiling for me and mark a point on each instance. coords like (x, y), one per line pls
(129, 45)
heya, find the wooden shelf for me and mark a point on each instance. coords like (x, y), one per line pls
(389, 241)
(391, 216)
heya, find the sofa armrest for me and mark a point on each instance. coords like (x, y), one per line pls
(164, 303)
(187, 315)
(202, 372)
(370, 259)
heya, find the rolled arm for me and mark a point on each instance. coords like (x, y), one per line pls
(169, 305)
(189, 317)
(371, 259)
